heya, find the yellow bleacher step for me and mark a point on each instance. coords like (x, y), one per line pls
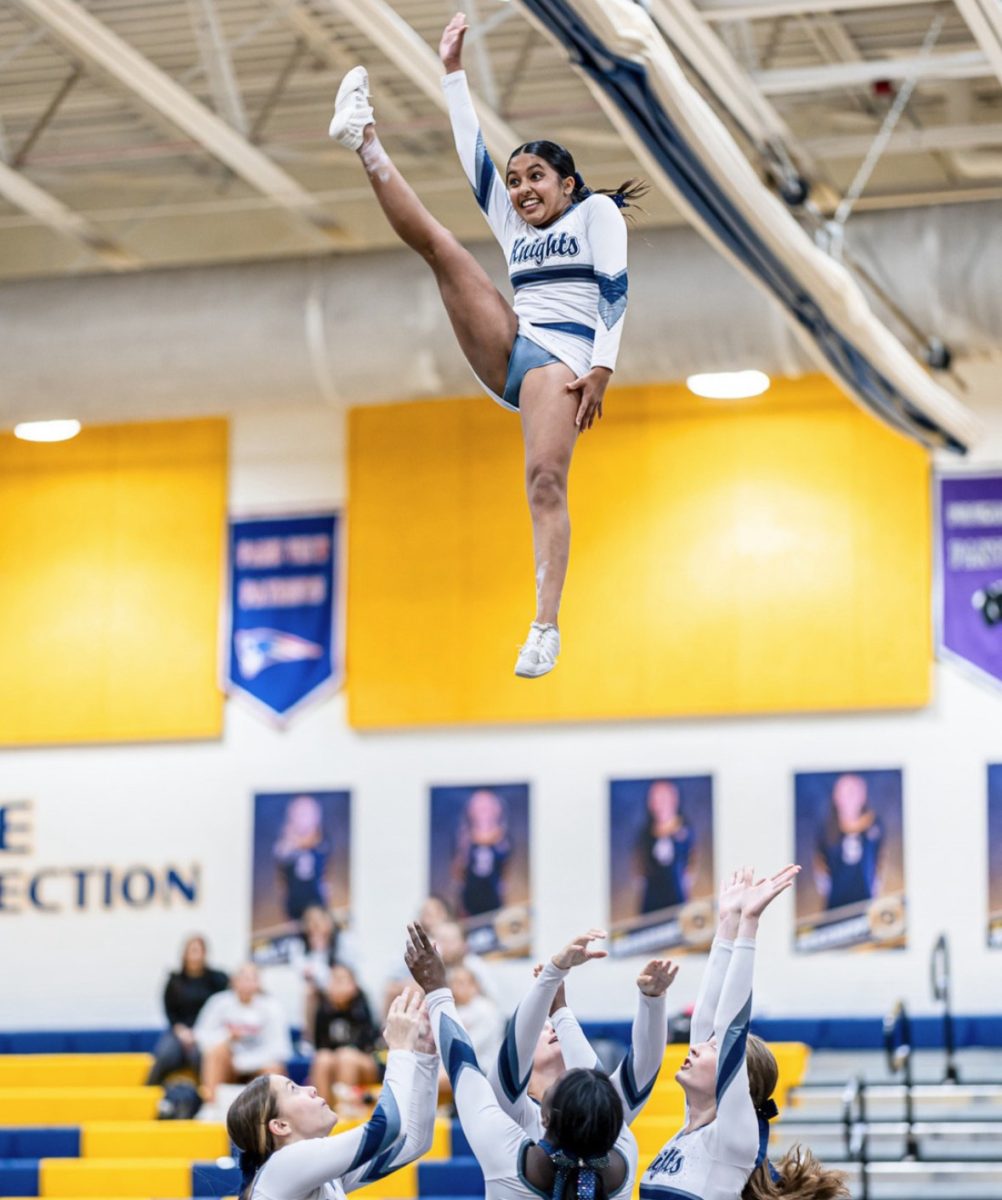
(401, 1185)
(74, 1070)
(122, 1177)
(76, 1106)
(154, 1139)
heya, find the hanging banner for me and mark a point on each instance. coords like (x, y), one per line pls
(660, 865)
(850, 893)
(479, 864)
(282, 611)
(995, 857)
(302, 860)
(969, 571)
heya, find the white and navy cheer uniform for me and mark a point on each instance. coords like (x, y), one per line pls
(715, 1161)
(499, 1143)
(633, 1078)
(569, 279)
(400, 1130)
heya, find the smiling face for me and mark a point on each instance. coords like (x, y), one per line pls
(302, 1112)
(538, 194)
(849, 798)
(698, 1074)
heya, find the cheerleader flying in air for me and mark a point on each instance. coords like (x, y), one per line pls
(729, 1077)
(549, 357)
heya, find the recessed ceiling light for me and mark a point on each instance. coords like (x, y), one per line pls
(47, 431)
(728, 385)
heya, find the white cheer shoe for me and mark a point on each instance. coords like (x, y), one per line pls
(539, 654)
(352, 110)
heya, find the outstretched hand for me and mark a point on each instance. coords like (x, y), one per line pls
(403, 1021)
(657, 977)
(759, 895)
(450, 48)
(732, 892)
(579, 950)
(423, 959)
(589, 391)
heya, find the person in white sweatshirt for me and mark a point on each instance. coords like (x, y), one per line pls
(241, 1033)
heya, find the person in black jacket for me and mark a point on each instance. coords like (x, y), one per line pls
(345, 1036)
(186, 992)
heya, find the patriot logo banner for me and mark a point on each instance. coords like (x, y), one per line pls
(280, 649)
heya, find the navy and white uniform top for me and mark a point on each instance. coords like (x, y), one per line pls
(633, 1078)
(399, 1131)
(499, 1143)
(569, 279)
(715, 1161)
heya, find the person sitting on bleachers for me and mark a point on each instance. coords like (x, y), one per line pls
(185, 995)
(345, 1036)
(241, 1033)
(481, 1017)
(455, 950)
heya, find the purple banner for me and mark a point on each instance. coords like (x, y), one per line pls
(969, 571)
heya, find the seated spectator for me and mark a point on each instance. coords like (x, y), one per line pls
(321, 944)
(186, 993)
(435, 911)
(345, 1036)
(241, 1033)
(481, 1017)
(455, 951)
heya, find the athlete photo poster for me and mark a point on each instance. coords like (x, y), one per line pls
(995, 856)
(661, 882)
(301, 860)
(850, 894)
(479, 864)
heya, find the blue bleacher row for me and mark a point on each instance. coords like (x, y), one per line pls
(21, 1150)
(820, 1033)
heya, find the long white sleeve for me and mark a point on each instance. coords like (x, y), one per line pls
(488, 187)
(607, 235)
(509, 1075)
(418, 1128)
(736, 1125)
(298, 1170)
(210, 1026)
(636, 1075)
(575, 1048)
(705, 1009)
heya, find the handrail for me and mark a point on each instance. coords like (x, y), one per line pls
(939, 971)
(898, 1048)
(856, 1130)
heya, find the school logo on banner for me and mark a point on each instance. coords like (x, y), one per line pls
(282, 611)
(969, 571)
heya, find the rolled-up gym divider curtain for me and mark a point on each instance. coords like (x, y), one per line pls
(630, 68)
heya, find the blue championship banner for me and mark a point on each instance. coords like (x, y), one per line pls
(282, 611)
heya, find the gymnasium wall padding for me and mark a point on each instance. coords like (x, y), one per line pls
(766, 556)
(111, 555)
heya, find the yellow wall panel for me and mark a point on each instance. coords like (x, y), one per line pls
(762, 556)
(111, 557)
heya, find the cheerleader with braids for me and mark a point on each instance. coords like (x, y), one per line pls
(549, 356)
(729, 1076)
(537, 1053)
(588, 1151)
(281, 1129)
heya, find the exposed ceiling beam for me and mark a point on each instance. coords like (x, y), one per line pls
(909, 141)
(87, 38)
(966, 64)
(323, 46)
(44, 207)
(415, 59)
(727, 10)
(217, 63)
(985, 23)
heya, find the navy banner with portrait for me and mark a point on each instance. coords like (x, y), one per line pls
(660, 865)
(283, 592)
(851, 891)
(479, 850)
(302, 862)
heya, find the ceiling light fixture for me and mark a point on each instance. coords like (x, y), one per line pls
(47, 431)
(728, 385)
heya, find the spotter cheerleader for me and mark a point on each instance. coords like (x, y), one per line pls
(550, 356)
